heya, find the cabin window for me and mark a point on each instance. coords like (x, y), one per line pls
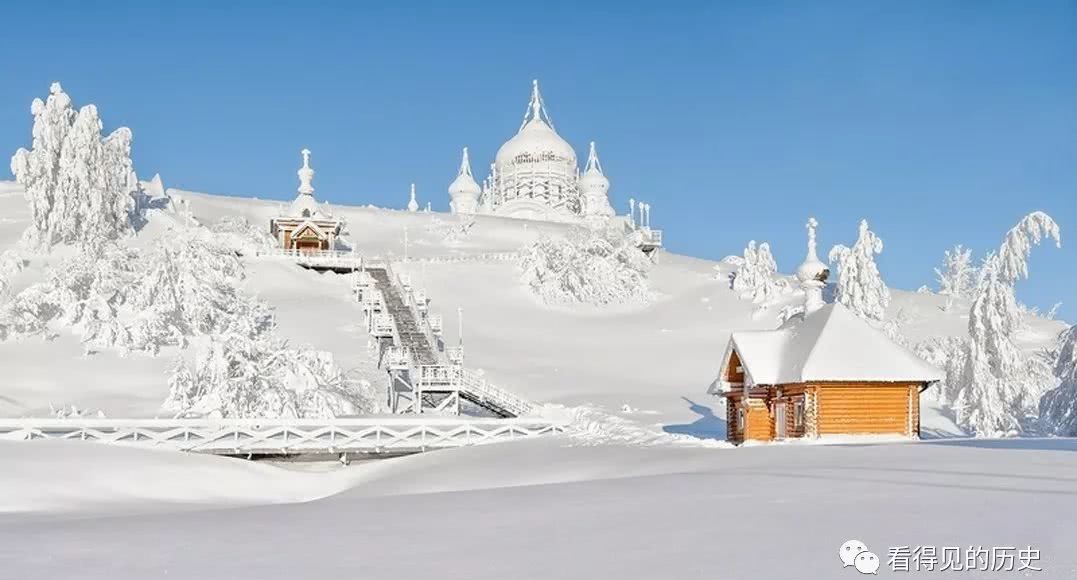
(798, 414)
(740, 419)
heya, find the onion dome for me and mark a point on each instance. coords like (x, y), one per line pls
(593, 179)
(594, 187)
(536, 141)
(812, 269)
(464, 184)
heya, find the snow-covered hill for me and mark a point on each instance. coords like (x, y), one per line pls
(645, 490)
(650, 363)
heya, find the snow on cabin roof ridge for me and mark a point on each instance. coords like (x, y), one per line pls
(831, 344)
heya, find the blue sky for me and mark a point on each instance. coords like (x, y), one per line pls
(939, 122)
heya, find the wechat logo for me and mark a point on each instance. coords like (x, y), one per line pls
(855, 553)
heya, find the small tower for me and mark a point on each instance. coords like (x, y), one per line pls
(594, 190)
(413, 205)
(305, 226)
(464, 191)
(812, 274)
(305, 205)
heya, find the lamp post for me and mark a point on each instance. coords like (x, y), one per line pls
(460, 332)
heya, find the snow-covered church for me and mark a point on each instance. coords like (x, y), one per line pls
(535, 176)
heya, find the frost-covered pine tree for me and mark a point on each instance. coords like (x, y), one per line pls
(999, 388)
(860, 287)
(755, 279)
(80, 186)
(1058, 407)
(958, 275)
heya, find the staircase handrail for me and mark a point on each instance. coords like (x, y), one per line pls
(474, 383)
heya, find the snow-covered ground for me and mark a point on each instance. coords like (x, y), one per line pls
(541, 509)
(649, 493)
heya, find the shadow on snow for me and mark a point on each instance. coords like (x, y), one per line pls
(707, 426)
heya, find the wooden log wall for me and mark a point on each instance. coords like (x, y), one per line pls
(863, 408)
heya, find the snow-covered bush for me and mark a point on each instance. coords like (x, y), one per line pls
(73, 412)
(240, 376)
(1058, 407)
(586, 268)
(80, 186)
(241, 236)
(958, 275)
(860, 287)
(755, 279)
(10, 265)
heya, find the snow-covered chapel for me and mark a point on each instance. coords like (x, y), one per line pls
(535, 176)
(825, 372)
(305, 226)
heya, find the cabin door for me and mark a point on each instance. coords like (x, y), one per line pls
(779, 420)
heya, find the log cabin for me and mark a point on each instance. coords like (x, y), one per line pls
(306, 227)
(824, 373)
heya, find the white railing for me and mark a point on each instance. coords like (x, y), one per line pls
(373, 299)
(437, 377)
(374, 435)
(419, 298)
(469, 381)
(455, 354)
(485, 257)
(325, 258)
(652, 237)
(382, 325)
(398, 357)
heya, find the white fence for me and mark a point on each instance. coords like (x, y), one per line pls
(375, 435)
(319, 258)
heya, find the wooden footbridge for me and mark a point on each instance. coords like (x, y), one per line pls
(339, 437)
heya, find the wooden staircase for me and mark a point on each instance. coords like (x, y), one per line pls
(423, 377)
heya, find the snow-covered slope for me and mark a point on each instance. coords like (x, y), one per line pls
(644, 493)
(652, 363)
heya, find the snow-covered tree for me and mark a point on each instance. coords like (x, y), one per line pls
(1058, 407)
(590, 268)
(948, 354)
(958, 275)
(10, 265)
(239, 376)
(80, 186)
(1000, 385)
(121, 298)
(755, 278)
(860, 287)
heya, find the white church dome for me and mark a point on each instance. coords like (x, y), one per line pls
(593, 180)
(536, 142)
(464, 184)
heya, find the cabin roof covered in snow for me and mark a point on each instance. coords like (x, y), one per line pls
(830, 344)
